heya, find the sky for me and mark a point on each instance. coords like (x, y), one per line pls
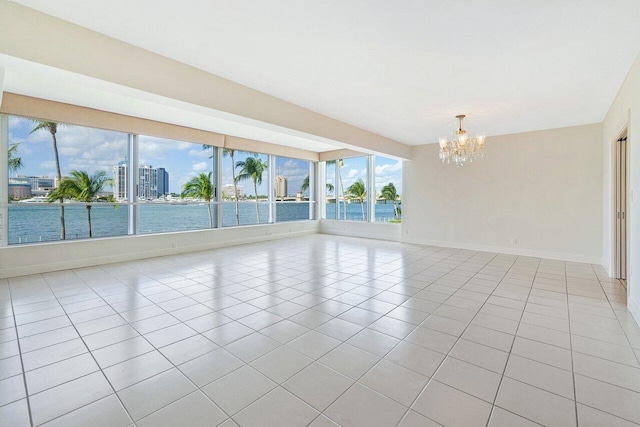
(386, 170)
(91, 149)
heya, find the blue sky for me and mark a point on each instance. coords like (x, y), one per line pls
(387, 170)
(93, 149)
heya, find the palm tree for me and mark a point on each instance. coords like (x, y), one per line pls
(344, 204)
(15, 163)
(83, 188)
(389, 193)
(52, 128)
(252, 168)
(305, 185)
(231, 152)
(200, 187)
(358, 191)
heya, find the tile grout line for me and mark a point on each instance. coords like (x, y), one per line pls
(92, 357)
(459, 337)
(514, 335)
(618, 320)
(298, 287)
(174, 366)
(24, 374)
(573, 372)
(322, 413)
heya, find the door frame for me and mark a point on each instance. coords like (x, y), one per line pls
(614, 199)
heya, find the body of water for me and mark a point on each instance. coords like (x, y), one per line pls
(41, 222)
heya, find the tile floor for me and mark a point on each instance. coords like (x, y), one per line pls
(320, 331)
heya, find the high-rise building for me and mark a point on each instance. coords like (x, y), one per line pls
(163, 182)
(147, 182)
(120, 176)
(150, 180)
(281, 187)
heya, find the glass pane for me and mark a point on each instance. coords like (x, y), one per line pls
(245, 202)
(388, 175)
(175, 187)
(292, 189)
(330, 190)
(352, 181)
(60, 183)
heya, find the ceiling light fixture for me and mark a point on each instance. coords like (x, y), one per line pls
(461, 149)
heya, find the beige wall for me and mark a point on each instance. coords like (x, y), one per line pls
(542, 188)
(624, 114)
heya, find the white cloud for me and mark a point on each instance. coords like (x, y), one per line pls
(159, 148)
(351, 174)
(387, 173)
(199, 167)
(389, 168)
(22, 150)
(48, 168)
(200, 153)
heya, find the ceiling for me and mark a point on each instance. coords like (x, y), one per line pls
(400, 69)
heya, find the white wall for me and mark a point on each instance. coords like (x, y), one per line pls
(624, 113)
(369, 230)
(40, 258)
(542, 188)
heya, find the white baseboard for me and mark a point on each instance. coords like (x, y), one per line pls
(634, 308)
(507, 250)
(15, 260)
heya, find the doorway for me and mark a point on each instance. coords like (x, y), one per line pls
(621, 208)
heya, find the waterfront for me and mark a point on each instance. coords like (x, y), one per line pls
(31, 223)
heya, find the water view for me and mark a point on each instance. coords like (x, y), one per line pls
(30, 223)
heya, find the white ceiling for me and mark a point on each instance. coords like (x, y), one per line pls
(402, 69)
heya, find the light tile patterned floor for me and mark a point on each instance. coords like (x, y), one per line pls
(320, 331)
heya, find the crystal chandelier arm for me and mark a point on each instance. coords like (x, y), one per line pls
(461, 149)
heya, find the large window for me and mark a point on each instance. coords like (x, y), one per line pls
(245, 188)
(60, 185)
(331, 191)
(388, 187)
(293, 182)
(176, 188)
(349, 189)
(353, 184)
(73, 182)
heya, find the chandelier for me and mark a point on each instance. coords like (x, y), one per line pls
(461, 149)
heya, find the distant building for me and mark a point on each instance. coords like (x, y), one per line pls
(147, 182)
(281, 187)
(37, 183)
(227, 192)
(120, 176)
(19, 190)
(152, 182)
(163, 182)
